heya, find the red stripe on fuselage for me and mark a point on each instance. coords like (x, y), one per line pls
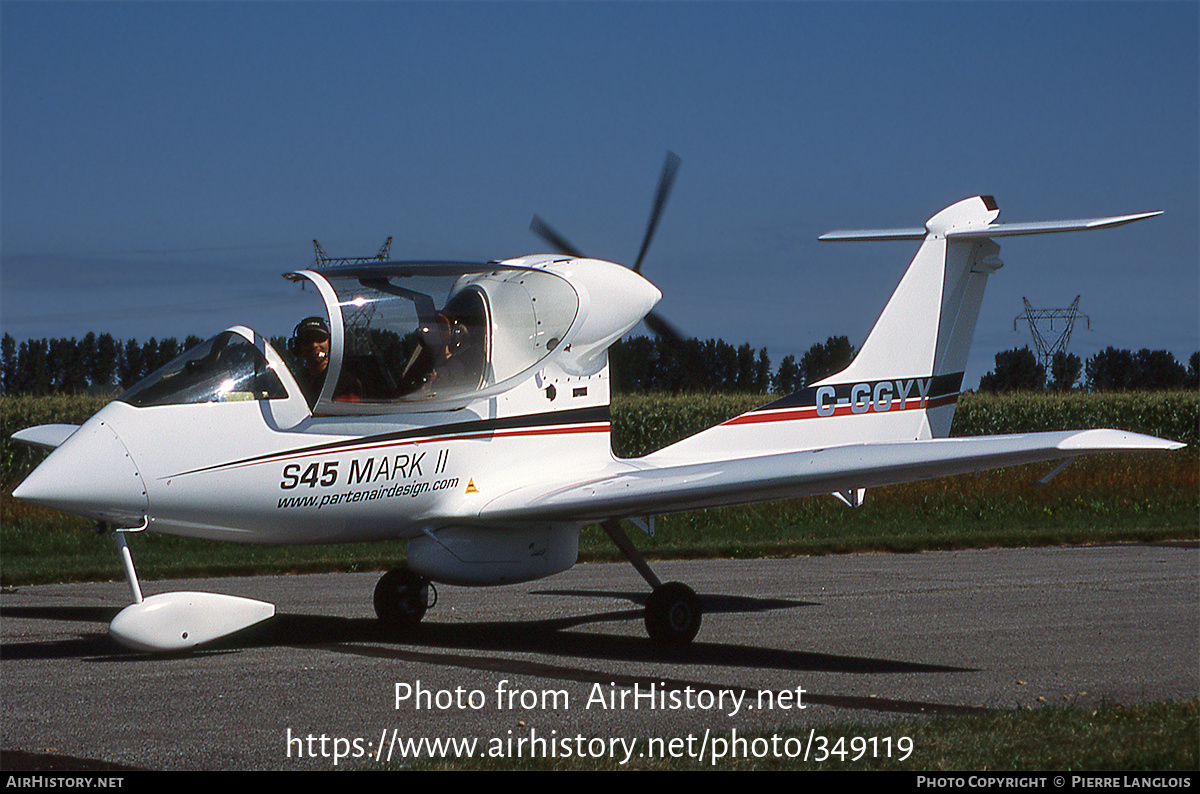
(841, 409)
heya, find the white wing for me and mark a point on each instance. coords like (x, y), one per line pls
(637, 490)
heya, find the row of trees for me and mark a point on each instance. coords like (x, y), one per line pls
(640, 364)
(643, 364)
(70, 366)
(1109, 370)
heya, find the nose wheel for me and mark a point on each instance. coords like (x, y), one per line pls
(402, 598)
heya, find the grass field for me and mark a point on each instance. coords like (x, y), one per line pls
(1154, 736)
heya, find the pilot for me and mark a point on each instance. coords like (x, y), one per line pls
(451, 367)
(310, 343)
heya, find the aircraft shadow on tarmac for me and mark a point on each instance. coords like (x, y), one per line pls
(88, 645)
(435, 642)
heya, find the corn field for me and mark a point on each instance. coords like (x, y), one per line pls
(643, 423)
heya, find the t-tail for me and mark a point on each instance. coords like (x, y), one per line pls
(904, 382)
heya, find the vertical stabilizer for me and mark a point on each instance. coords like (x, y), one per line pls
(926, 328)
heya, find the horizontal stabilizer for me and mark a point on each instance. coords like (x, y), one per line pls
(915, 233)
(1048, 227)
(664, 489)
(45, 436)
(990, 230)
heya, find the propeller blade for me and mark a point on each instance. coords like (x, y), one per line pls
(665, 181)
(556, 240)
(657, 325)
(662, 328)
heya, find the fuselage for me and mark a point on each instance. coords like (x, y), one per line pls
(267, 471)
(411, 431)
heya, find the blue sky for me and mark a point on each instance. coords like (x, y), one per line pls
(162, 163)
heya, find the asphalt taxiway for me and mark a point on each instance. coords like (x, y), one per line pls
(863, 637)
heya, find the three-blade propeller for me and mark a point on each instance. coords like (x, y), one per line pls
(562, 245)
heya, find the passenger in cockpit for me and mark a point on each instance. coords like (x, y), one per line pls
(451, 369)
(433, 355)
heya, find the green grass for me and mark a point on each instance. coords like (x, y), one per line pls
(1153, 736)
(40, 546)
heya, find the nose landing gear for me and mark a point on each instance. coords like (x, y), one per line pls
(402, 598)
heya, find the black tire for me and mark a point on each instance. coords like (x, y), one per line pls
(401, 598)
(673, 614)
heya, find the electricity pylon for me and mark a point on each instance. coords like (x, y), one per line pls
(324, 260)
(1037, 318)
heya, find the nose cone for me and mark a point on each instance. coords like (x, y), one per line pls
(92, 474)
(618, 299)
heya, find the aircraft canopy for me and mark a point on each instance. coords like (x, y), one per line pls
(227, 368)
(434, 336)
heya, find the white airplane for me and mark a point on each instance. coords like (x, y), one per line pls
(465, 407)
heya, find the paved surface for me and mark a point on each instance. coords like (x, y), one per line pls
(867, 637)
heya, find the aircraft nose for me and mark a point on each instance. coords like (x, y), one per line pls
(91, 474)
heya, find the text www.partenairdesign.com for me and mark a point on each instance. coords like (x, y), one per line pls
(367, 495)
(709, 747)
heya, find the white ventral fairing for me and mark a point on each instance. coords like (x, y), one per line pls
(465, 408)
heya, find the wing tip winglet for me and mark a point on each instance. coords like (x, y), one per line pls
(1104, 440)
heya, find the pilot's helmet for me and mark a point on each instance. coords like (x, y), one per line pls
(311, 329)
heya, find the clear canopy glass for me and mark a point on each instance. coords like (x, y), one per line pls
(226, 368)
(431, 334)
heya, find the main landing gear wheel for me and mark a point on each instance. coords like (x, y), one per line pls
(401, 598)
(673, 610)
(673, 614)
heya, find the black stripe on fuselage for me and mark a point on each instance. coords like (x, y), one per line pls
(845, 393)
(472, 428)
